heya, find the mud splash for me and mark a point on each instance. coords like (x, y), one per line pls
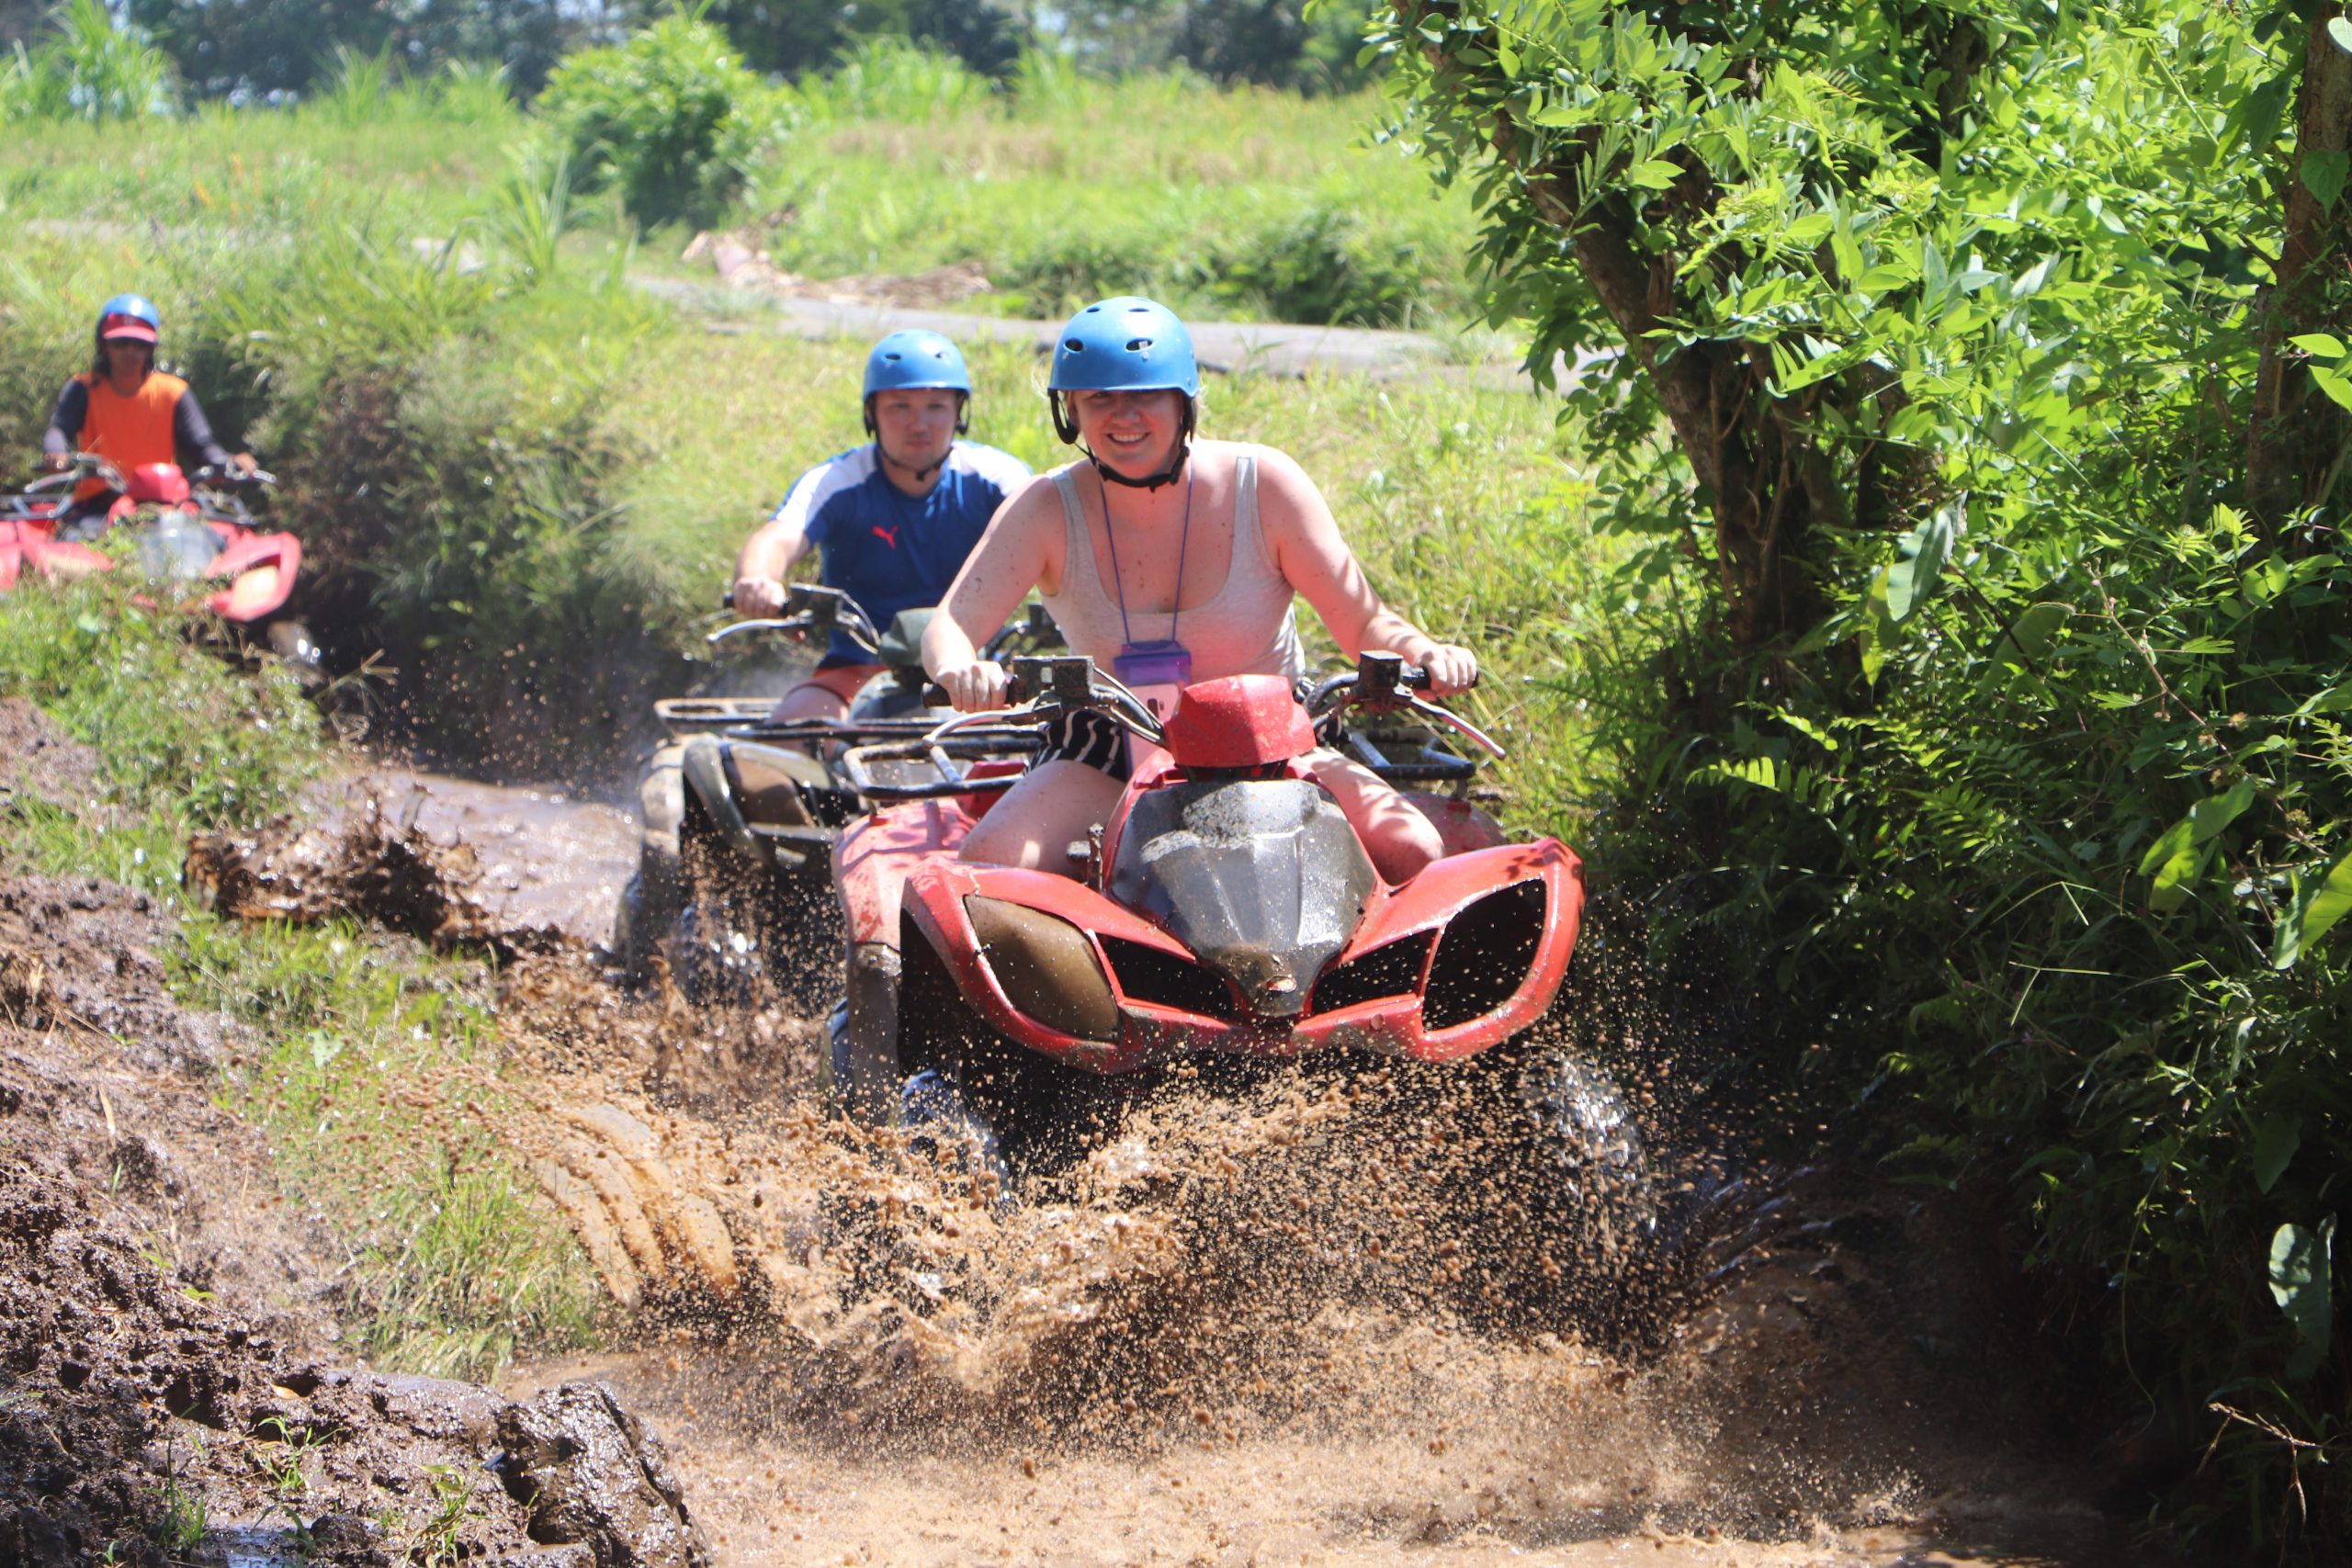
(1250, 1327)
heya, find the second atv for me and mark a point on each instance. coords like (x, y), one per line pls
(740, 813)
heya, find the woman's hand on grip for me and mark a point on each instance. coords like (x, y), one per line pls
(976, 688)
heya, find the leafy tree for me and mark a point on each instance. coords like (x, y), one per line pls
(19, 20)
(1999, 595)
(793, 37)
(264, 47)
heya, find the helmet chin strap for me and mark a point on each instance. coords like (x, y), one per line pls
(1167, 476)
(922, 475)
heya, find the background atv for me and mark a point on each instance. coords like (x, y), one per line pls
(194, 531)
(1228, 918)
(734, 879)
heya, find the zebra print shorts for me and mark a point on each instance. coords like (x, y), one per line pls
(1089, 737)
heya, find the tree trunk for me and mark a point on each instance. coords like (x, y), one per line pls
(2295, 437)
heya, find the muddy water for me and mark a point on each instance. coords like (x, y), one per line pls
(1229, 1338)
(547, 859)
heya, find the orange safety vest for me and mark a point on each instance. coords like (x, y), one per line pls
(128, 431)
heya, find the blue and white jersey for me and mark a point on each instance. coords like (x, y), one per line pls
(888, 550)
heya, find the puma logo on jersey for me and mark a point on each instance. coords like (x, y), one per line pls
(887, 535)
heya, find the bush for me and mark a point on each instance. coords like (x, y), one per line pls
(887, 77)
(670, 117)
(1319, 265)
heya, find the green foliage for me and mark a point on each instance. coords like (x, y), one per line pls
(89, 67)
(534, 209)
(380, 1084)
(889, 77)
(182, 738)
(670, 114)
(1226, 202)
(1996, 745)
(356, 91)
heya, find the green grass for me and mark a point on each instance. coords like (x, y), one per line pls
(1238, 202)
(379, 1084)
(1234, 202)
(186, 744)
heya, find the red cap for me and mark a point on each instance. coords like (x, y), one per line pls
(119, 325)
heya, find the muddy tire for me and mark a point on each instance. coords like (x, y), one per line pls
(1559, 1210)
(731, 934)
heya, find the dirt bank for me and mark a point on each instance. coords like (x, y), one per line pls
(170, 1384)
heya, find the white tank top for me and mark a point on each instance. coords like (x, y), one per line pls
(1249, 626)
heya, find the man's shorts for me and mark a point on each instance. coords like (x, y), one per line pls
(844, 681)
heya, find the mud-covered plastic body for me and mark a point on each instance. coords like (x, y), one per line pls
(1228, 910)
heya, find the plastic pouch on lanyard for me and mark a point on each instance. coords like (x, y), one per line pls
(1163, 661)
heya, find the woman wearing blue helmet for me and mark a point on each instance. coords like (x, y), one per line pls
(1167, 559)
(893, 519)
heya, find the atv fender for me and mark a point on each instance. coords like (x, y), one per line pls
(703, 761)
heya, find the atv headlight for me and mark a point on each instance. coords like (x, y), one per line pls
(1046, 967)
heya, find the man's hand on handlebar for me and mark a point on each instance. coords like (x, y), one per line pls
(56, 462)
(1452, 668)
(758, 598)
(976, 688)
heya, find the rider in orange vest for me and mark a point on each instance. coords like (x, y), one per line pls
(128, 411)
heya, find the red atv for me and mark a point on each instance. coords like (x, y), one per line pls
(200, 534)
(1228, 914)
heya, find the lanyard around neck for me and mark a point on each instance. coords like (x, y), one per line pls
(1119, 580)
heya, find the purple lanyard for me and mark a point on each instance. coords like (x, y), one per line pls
(1118, 578)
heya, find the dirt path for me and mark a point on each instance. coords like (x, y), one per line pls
(1227, 1339)
(1230, 347)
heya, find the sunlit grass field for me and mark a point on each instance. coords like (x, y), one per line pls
(1241, 202)
(284, 245)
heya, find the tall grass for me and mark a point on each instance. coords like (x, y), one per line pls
(87, 67)
(887, 77)
(377, 1072)
(379, 1082)
(1230, 202)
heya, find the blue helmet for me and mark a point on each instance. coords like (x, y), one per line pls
(915, 359)
(130, 316)
(1125, 344)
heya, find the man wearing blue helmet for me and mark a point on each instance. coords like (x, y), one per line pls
(128, 411)
(892, 519)
(1168, 560)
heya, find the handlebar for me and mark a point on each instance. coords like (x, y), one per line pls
(808, 610)
(1383, 682)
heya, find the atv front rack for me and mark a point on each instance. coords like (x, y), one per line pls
(998, 742)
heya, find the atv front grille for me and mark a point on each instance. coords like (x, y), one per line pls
(1148, 974)
(1392, 969)
(1484, 956)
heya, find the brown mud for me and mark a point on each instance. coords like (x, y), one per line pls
(1252, 1327)
(171, 1388)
